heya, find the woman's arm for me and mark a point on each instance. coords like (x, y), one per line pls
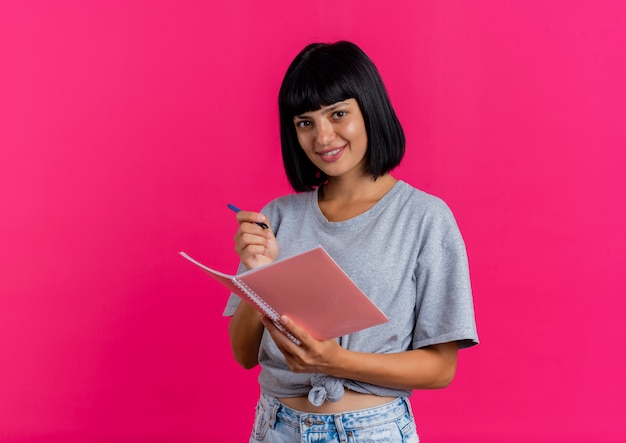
(245, 331)
(256, 246)
(427, 368)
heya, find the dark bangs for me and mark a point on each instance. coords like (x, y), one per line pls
(318, 81)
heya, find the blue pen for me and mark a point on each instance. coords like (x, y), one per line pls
(236, 209)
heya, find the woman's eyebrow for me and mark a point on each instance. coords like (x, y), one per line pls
(332, 107)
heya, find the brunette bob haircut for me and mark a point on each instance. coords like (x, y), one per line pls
(324, 74)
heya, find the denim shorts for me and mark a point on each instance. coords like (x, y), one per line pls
(391, 422)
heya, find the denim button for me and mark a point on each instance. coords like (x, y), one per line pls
(308, 421)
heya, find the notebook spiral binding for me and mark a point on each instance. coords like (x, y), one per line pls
(266, 309)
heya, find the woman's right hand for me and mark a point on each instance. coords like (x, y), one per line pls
(255, 245)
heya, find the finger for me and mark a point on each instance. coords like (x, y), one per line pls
(280, 337)
(251, 217)
(299, 332)
(249, 234)
(252, 238)
(251, 229)
(252, 251)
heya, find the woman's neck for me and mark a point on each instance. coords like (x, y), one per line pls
(340, 199)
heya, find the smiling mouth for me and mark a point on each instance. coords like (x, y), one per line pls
(331, 153)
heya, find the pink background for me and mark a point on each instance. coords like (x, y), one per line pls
(126, 127)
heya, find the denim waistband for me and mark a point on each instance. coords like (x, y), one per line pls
(346, 421)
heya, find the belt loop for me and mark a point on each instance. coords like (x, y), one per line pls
(407, 403)
(273, 414)
(341, 432)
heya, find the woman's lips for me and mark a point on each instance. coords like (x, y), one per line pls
(331, 155)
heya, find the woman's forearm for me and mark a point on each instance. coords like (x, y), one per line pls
(246, 330)
(432, 367)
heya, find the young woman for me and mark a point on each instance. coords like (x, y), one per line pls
(340, 139)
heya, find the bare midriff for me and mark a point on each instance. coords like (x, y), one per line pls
(351, 401)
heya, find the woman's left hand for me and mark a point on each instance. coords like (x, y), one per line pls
(311, 356)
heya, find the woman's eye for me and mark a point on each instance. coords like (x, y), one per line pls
(339, 114)
(303, 124)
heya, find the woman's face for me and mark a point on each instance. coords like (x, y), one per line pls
(334, 138)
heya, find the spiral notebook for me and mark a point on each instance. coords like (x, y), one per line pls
(310, 288)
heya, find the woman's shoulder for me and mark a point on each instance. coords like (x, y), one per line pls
(288, 204)
(421, 200)
(434, 216)
(289, 200)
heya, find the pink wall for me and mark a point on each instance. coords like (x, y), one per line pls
(126, 127)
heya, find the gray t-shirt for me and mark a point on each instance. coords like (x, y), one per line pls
(406, 253)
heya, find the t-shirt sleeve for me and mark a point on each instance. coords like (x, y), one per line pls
(233, 300)
(444, 308)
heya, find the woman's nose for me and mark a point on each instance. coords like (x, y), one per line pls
(325, 133)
